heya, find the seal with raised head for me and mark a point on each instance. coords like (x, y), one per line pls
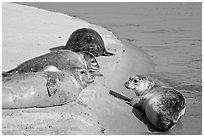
(50, 87)
(86, 39)
(163, 106)
(62, 59)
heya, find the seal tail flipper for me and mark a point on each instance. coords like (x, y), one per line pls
(106, 53)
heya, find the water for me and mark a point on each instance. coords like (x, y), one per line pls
(171, 33)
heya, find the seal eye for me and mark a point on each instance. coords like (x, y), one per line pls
(93, 61)
(135, 80)
(89, 39)
(83, 72)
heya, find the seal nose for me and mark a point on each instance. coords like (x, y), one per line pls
(126, 84)
(93, 68)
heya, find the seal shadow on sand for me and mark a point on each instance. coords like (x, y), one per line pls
(138, 113)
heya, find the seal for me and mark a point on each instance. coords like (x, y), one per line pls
(62, 59)
(51, 87)
(163, 106)
(86, 39)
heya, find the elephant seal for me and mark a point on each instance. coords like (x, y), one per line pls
(86, 39)
(51, 87)
(163, 106)
(62, 59)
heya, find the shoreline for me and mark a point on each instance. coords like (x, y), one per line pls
(95, 111)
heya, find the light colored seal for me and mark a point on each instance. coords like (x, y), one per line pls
(51, 87)
(62, 59)
(86, 39)
(163, 106)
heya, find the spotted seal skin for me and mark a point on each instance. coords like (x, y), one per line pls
(52, 87)
(87, 39)
(163, 106)
(62, 59)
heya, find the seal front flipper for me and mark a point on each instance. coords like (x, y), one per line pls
(137, 101)
(106, 53)
(52, 85)
(119, 96)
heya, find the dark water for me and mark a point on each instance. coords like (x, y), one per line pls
(171, 33)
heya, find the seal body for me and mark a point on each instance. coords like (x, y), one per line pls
(62, 59)
(86, 39)
(43, 89)
(163, 106)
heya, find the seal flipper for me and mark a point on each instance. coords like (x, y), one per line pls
(106, 53)
(119, 96)
(137, 101)
(57, 48)
(165, 123)
(52, 85)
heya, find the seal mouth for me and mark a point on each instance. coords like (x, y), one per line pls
(88, 80)
(95, 72)
(94, 68)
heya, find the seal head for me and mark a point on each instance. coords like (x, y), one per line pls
(86, 39)
(85, 77)
(139, 84)
(90, 60)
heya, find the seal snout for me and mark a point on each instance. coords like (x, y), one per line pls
(126, 84)
(129, 85)
(94, 68)
(96, 73)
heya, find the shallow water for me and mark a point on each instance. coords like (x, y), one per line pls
(171, 33)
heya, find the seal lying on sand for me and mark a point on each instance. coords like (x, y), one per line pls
(62, 59)
(43, 89)
(86, 39)
(163, 106)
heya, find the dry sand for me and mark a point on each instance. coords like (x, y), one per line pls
(30, 32)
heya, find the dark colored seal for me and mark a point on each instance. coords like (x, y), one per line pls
(163, 106)
(50, 87)
(62, 59)
(86, 39)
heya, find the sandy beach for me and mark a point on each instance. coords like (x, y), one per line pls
(29, 32)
